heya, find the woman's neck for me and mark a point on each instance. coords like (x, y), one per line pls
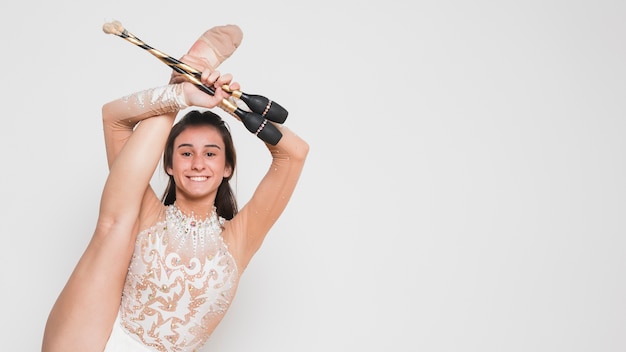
(200, 210)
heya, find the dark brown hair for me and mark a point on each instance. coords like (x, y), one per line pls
(225, 201)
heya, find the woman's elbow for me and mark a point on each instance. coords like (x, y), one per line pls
(304, 149)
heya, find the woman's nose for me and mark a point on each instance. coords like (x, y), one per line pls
(197, 163)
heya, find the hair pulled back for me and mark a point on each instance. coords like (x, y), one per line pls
(225, 201)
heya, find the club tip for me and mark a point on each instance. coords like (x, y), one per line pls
(114, 27)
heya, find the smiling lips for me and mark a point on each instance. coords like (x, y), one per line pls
(198, 178)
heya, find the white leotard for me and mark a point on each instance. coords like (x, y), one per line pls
(181, 280)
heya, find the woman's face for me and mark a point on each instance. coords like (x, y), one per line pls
(198, 162)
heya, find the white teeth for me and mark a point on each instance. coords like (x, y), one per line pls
(198, 178)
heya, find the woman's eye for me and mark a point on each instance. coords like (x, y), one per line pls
(185, 153)
(210, 154)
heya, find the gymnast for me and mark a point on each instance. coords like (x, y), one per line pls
(159, 273)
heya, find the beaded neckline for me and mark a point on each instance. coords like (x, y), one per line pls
(190, 228)
(180, 214)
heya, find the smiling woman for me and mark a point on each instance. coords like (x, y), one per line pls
(202, 146)
(198, 163)
(160, 273)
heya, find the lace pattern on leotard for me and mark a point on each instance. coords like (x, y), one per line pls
(181, 281)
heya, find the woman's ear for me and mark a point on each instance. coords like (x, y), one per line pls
(228, 171)
(169, 170)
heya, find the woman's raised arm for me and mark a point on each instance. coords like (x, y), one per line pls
(250, 226)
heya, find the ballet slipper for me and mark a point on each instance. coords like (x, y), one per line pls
(217, 44)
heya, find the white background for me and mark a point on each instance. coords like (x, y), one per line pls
(464, 190)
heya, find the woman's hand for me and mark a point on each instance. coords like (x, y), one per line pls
(193, 95)
(199, 63)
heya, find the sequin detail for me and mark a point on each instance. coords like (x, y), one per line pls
(181, 281)
(161, 100)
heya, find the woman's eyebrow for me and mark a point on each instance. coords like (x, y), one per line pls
(206, 145)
